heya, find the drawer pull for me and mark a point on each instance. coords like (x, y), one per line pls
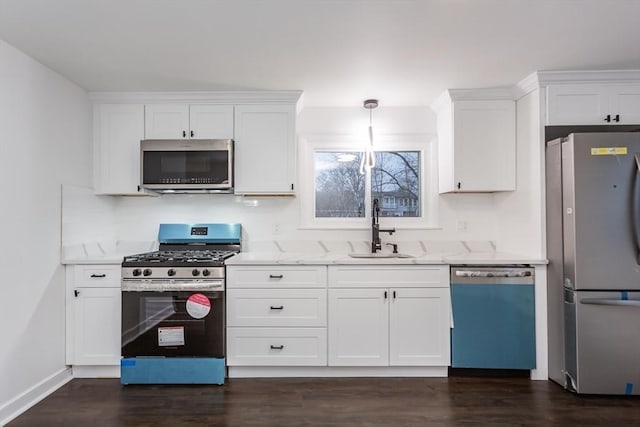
(276, 276)
(280, 307)
(98, 276)
(277, 347)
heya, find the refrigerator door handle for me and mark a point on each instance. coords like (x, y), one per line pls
(634, 210)
(605, 301)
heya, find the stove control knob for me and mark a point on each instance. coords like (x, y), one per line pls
(195, 272)
(171, 272)
(147, 272)
(136, 272)
(206, 272)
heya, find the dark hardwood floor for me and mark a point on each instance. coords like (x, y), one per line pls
(453, 401)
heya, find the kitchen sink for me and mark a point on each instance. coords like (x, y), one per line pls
(379, 255)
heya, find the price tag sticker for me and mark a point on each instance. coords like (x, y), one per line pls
(198, 306)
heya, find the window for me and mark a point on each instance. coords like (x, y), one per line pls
(335, 195)
(339, 186)
(396, 180)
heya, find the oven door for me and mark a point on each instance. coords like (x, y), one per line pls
(173, 323)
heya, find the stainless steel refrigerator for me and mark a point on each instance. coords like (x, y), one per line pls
(593, 247)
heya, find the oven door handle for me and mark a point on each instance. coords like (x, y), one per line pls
(162, 286)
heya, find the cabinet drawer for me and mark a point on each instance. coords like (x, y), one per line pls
(277, 277)
(372, 276)
(277, 307)
(103, 276)
(276, 347)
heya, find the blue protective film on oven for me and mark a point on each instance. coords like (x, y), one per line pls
(172, 370)
(200, 233)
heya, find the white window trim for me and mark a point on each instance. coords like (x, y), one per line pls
(424, 143)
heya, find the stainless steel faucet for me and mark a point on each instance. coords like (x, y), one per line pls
(376, 244)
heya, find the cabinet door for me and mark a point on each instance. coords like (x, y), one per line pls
(211, 122)
(265, 149)
(118, 130)
(577, 104)
(419, 323)
(625, 102)
(484, 145)
(166, 121)
(358, 327)
(96, 326)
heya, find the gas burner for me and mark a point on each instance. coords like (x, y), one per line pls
(186, 252)
(177, 257)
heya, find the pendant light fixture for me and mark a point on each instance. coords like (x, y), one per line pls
(368, 157)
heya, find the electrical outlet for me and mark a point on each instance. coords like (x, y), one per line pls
(276, 228)
(462, 225)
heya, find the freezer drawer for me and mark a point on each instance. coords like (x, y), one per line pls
(604, 356)
(493, 318)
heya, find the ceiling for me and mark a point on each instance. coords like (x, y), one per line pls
(339, 52)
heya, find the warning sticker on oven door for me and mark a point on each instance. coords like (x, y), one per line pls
(171, 336)
(198, 306)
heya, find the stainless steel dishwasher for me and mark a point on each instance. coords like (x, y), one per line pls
(493, 317)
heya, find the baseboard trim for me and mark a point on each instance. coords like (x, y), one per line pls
(33, 395)
(99, 371)
(335, 371)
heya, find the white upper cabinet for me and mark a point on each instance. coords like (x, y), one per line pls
(476, 142)
(265, 150)
(118, 129)
(593, 104)
(182, 121)
(262, 124)
(211, 121)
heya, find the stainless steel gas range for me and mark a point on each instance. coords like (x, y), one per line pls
(173, 306)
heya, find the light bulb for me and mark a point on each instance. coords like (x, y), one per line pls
(368, 161)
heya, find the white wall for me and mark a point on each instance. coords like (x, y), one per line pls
(520, 212)
(487, 216)
(45, 135)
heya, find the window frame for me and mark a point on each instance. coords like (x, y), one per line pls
(423, 143)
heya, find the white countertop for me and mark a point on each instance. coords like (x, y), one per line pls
(314, 252)
(103, 252)
(289, 258)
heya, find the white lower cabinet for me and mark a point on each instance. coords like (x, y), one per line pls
(277, 346)
(419, 324)
(97, 336)
(403, 325)
(93, 299)
(359, 327)
(276, 316)
(338, 320)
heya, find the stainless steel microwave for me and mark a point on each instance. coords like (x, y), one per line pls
(187, 165)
